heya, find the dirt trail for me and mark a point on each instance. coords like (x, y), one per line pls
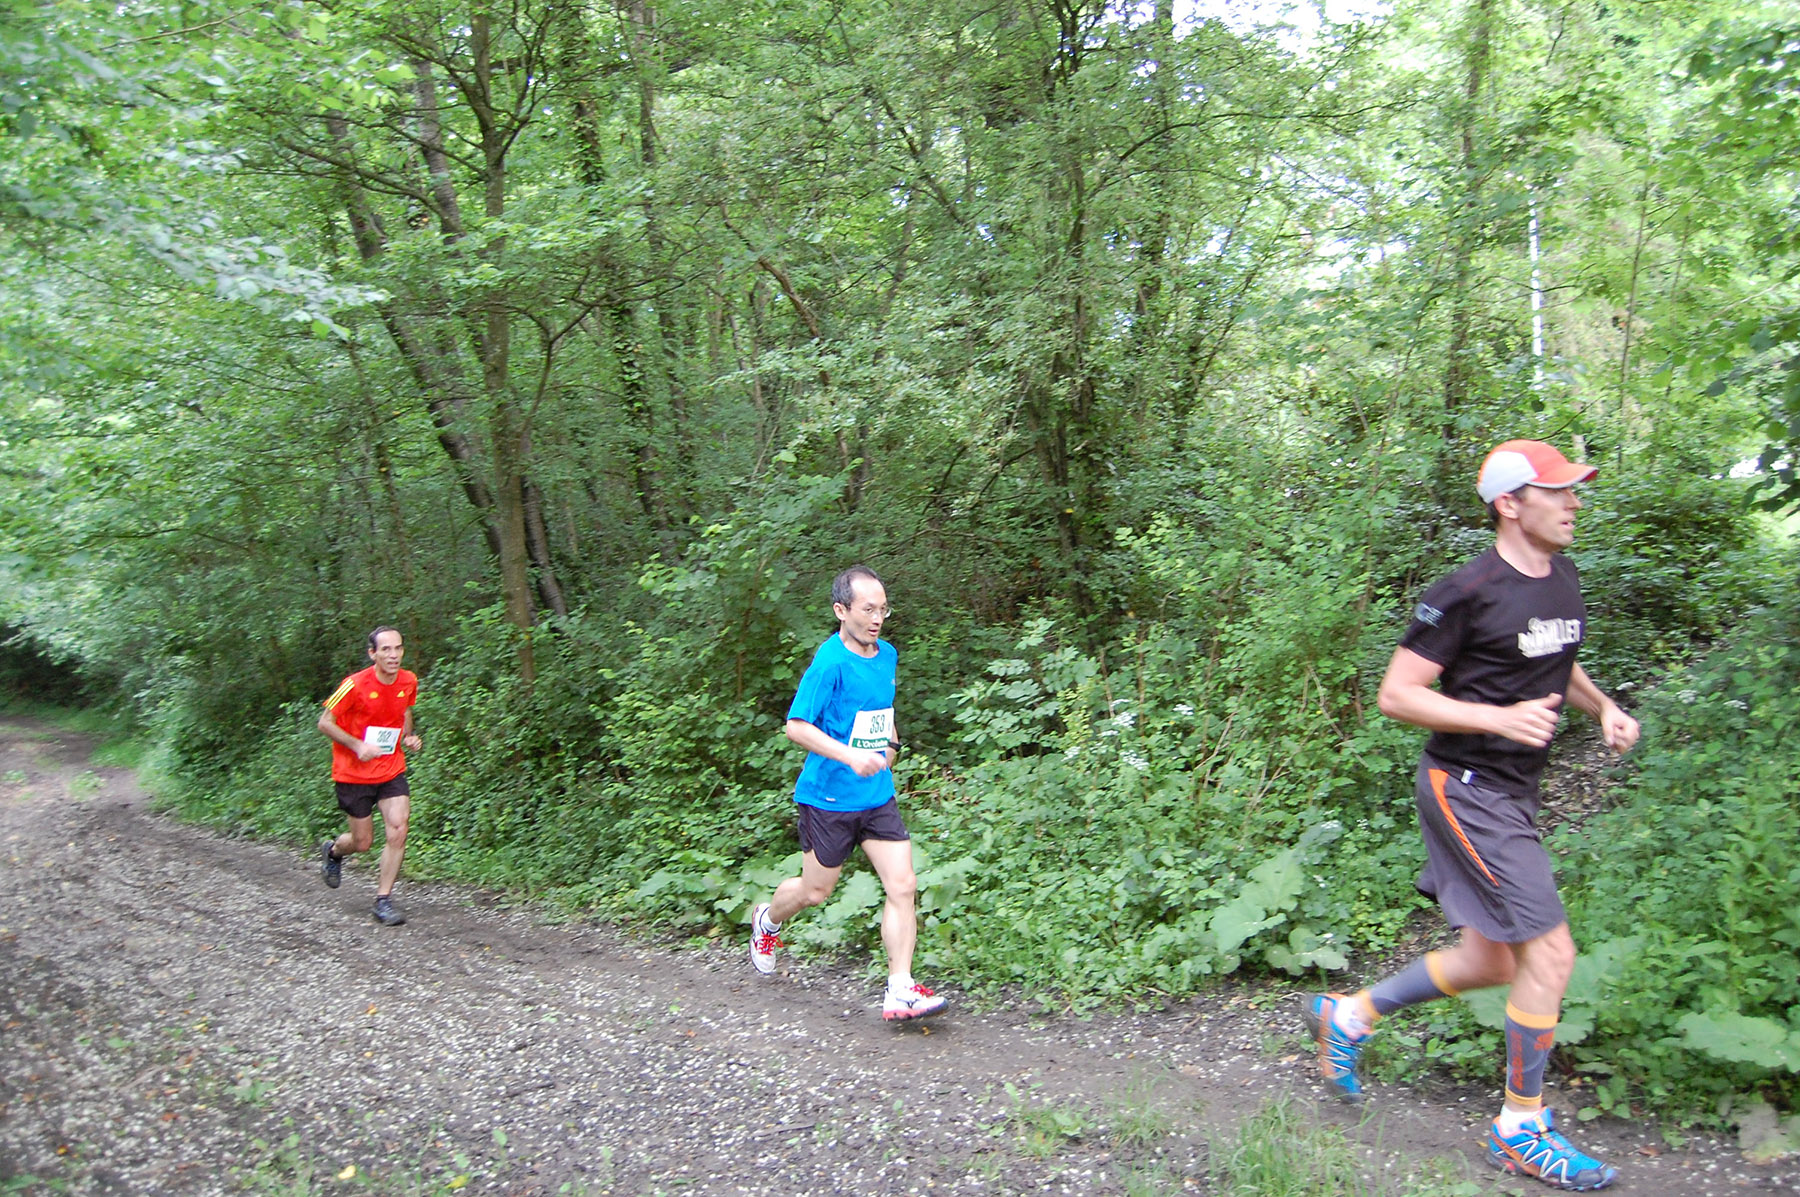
(186, 1014)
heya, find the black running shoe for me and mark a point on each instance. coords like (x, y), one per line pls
(388, 914)
(329, 865)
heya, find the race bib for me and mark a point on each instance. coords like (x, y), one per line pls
(385, 739)
(872, 729)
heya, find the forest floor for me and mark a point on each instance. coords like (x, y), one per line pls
(182, 1013)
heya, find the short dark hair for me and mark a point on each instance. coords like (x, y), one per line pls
(843, 587)
(378, 631)
(1494, 512)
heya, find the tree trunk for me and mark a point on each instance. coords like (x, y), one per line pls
(1459, 364)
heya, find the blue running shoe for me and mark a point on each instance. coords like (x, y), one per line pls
(1338, 1052)
(1538, 1151)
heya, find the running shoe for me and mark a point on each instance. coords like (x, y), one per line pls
(330, 866)
(763, 941)
(1538, 1151)
(917, 1002)
(1338, 1052)
(386, 913)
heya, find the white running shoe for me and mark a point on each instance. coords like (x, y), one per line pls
(763, 941)
(917, 1002)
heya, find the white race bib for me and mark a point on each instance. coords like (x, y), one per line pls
(872, 729)
(385, 739)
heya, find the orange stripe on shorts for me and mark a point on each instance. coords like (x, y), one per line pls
(1438, 778)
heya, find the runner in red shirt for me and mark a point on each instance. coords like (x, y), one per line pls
(368, 719)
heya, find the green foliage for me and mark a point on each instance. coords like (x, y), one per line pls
(1753, 110)
(1668, 558)
(1697, 867)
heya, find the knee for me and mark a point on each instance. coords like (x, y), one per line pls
(902, 887)
(396, 835)
(1552, 958)
(812, 894)
(362, 839)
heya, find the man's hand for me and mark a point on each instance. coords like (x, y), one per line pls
(867, 764)
(1532, 722)
(365, 751)
(1619, 730)
(412, 743)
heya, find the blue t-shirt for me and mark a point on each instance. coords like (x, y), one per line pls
(851, 699)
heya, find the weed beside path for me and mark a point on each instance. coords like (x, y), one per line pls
(186, 1014)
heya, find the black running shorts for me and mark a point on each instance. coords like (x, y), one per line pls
(1485, 864)
(830, 834)
(357, 799)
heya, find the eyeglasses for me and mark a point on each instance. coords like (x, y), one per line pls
(868, 611)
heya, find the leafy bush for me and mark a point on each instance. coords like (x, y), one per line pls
(1667, 561)
(1699, 868)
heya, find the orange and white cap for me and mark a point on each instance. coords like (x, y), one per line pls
(1527, 463)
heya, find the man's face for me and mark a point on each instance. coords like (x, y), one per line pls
(1547, 516)
(387, 653)
(861, 621)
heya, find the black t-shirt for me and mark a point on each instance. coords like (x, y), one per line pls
(1502, 637)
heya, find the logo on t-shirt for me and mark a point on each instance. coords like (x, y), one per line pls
(1426, 613)
(1542, 637)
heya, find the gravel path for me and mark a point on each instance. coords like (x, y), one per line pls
(186, 1014)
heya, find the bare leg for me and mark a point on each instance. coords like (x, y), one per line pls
(1544, 966)
(811, 887)
(1476, 962)
(395, 813)
(359, 838)
(899, 923)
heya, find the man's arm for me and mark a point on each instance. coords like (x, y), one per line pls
(1619, 730)
(1407, 695)
(408, 737)
(329, 725)
(861, 761)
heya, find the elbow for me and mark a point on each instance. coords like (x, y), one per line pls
(1389, 703)
(793, 730)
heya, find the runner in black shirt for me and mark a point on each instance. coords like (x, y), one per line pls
(1499, 638)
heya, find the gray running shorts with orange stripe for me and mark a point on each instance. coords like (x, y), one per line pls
(1485, 863)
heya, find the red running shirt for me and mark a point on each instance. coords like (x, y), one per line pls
(371, 711)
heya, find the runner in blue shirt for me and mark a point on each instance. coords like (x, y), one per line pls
(843, 715)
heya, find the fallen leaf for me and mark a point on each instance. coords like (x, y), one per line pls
(348, 1172)
(371, 1009)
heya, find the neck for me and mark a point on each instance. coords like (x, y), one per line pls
(851, 644)
(1522, 553)
(384, 677)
